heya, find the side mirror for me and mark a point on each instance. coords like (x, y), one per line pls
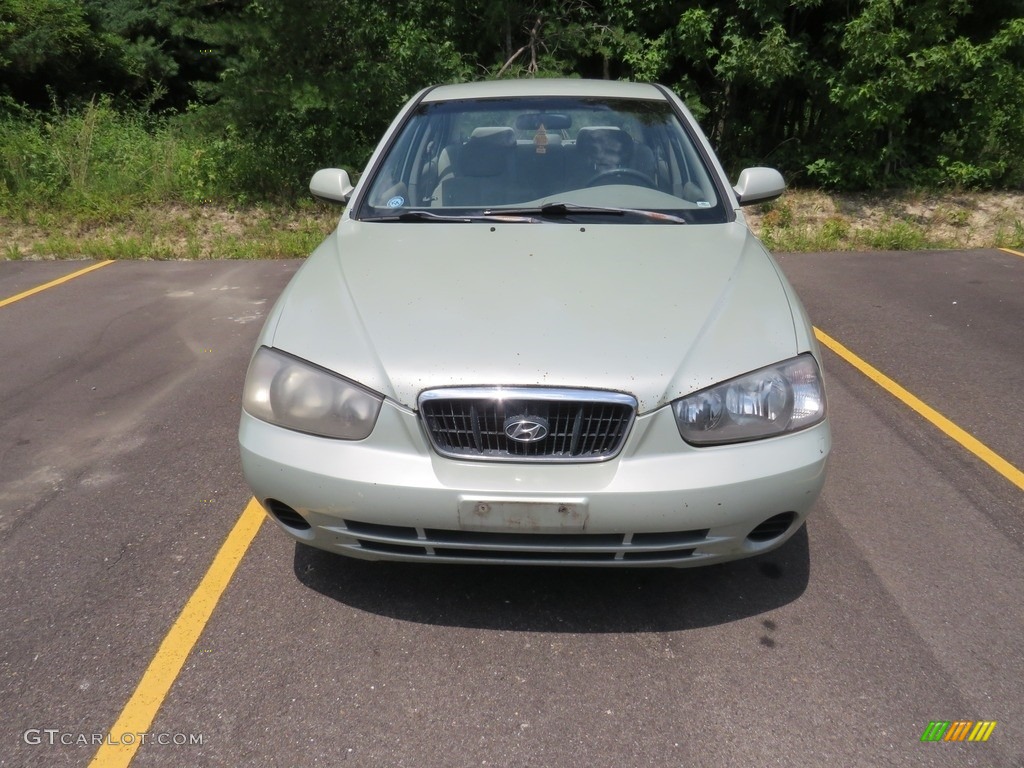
(331, 184)
(758, 185)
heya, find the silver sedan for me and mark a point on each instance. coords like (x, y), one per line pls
(541, 333)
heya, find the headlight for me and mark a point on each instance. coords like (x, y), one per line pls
(775, 400)
(288, 392)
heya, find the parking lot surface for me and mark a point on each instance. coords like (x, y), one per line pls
(900, 604)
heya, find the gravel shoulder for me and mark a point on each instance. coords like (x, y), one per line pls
(808, 221)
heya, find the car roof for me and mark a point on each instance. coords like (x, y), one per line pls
(489, 89)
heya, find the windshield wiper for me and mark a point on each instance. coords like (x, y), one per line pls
(528, 215)
(566, 210)
(450, 218)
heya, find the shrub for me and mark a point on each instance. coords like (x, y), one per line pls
(94, 161)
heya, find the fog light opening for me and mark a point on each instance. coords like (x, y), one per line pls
(286, 515)
(772, 528)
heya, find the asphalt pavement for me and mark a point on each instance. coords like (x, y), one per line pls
(900, 604)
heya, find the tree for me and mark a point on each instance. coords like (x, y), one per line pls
(854, 94)
(311, 83)
(44, 44)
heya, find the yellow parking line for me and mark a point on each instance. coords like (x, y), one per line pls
(138, 714)
(1010, 250)
(52, 283)
(971, 443)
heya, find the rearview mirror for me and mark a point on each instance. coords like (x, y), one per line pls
(331, 184)
(758, 185)
(532, 121)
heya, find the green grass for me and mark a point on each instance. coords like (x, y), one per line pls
(96, 163)
(159, 233)
(833, 235)
(901, 236)
(103, 246)
(838, 235)
(1011, 236)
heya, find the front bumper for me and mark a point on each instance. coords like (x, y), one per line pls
(659, 503)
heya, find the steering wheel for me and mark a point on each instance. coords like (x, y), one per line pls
(605, 177)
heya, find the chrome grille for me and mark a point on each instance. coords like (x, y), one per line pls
(474, 423)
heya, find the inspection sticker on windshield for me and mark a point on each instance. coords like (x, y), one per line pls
(396, 202)
(527, 516)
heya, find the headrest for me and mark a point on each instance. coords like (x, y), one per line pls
(487, 152)
(498, 136)
(605, 145)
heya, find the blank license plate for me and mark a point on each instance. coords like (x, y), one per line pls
(540, 516)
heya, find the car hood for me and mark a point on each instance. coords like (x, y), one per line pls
(657, 310)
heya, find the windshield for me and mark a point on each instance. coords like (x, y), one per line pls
(527, 158)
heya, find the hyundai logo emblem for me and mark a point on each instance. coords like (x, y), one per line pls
(526, 429)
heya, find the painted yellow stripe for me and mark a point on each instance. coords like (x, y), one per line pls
(968, 441)
(52, 283)
(1010, 250)
(140, 711)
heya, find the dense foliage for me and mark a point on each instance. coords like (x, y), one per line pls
(250, 96)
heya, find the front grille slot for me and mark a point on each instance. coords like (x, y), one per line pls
(526, 540)
(483, 546)
(580, 425)
(529, 557)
